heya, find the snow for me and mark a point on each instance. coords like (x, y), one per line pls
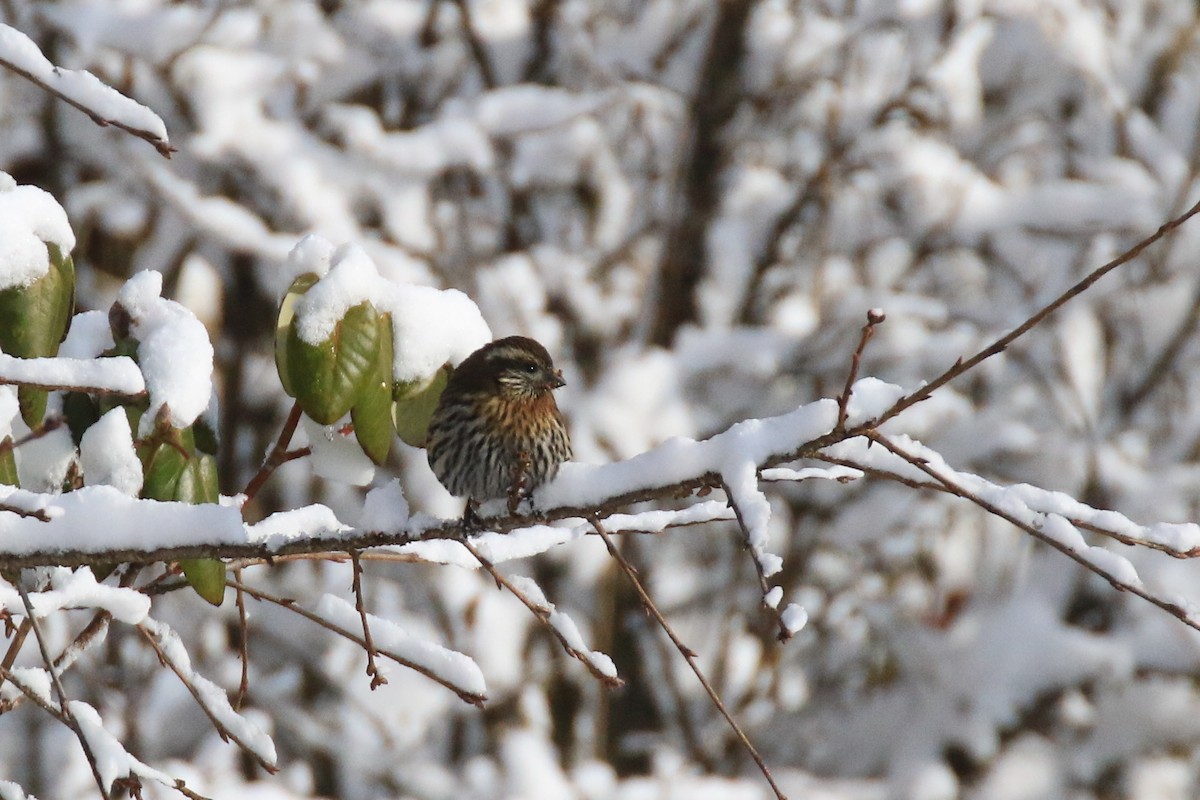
(564, 625)
(794, 618)
(79, 589)
(103, 518)
(30, 680)
(11, 791)
(284, 526)
(30, 218)
(384, 509)
(211, 696)
(430, 327)
(89, 336)
(118, 375)
(495, 547)
(453, 667)
(174, 352)
(680, 458)
(835, 473)
(78, 86)
(106, 454)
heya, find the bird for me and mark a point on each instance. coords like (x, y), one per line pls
(496, 431)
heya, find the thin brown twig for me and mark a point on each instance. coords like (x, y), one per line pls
(49, 425)
(291, 605)
(38, 514)
(244, 643)
(955, 488)
(14, 647)
(1001, 344)
(543, 615)
(225, 733)
(38, 699)
(91, 634)
(688, 654)
(475, 44)
(278, 456)
(163, 147)
(63, 701)
(874, 317)
(1116, 536)
(377, 677)
(764, 587)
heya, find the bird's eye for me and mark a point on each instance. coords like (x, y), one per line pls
(531, 368)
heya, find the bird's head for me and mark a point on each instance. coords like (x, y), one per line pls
(517, 367)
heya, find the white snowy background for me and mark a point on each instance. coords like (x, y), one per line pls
(693, 206)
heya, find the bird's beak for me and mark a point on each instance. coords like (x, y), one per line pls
(555, 379)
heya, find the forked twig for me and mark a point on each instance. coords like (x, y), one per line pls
(1001, 344)
(291, 605)
(279, 454)
(377, 677)
(764, 587)
(955, 488)
(164, 148)
(221, 728)
(1092, 527)
(688, 654)
(68, 716)
(874, 317)
(543, 615)
(49, 425)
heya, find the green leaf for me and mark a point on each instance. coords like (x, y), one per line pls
(413, 410)
(372, 415)
(173, 475)
(206, 576)
(206, 437)
(163, 464)
(82, 412)
(198, 481)
(283, 323)
(35, 316)
(198, 484)
(8, 466)
(328, 378)
(35, 320)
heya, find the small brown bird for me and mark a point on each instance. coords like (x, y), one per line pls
(497, 431)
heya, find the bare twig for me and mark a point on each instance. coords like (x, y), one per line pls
(290, 605)
(63, 701)
(89, 636)
(163, 147)
(764, 587)
(377, 678)
(955, 488)
(688, 654)
(874, 317)
(279, 454)
(14, 647)
(475, 44)
(37, 514)
(49, 425)
(1116, 536)
(543, 615)
(222, 730)
(1001, 344)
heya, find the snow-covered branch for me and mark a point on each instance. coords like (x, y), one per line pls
(83, 90)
